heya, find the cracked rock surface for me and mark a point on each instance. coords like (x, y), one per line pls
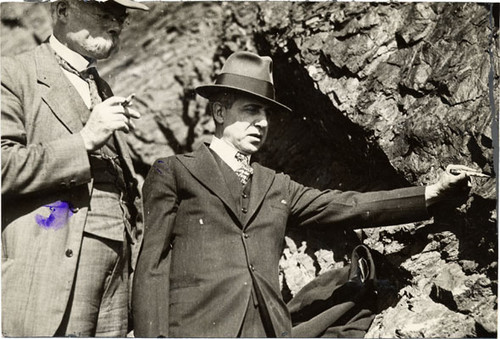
(384, 95)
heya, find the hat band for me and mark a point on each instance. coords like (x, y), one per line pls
(259, 87)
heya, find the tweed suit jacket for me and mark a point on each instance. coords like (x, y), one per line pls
(201, 258)
(45, 170)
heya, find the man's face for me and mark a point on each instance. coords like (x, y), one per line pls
(245, 124)
(93, 28)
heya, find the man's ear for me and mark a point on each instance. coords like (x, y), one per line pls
(60, 10)
(218, 112)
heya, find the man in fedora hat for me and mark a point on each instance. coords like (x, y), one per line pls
(215, 224)
(68, 184)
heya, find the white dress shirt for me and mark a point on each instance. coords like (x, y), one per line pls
(78, 62)
(226, 152)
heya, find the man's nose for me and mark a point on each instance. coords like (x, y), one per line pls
(115, 25)
(261, 123)
(115, 28)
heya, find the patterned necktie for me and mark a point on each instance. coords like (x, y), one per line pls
(89, 75)
(245, 171)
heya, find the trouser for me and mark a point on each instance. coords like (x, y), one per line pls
(98, 304)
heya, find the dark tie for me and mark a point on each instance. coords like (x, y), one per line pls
(89, 75)
(245, 171)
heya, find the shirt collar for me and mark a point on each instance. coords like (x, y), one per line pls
(226, 152)
(74, 59)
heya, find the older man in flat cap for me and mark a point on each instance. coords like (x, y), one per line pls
(215, 223)
(67, 180)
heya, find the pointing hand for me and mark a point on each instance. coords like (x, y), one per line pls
(453, 183)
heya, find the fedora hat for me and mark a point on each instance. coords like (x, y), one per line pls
(247, 73)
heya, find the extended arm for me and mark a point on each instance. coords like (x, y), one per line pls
(354, 209)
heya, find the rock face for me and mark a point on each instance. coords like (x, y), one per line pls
(384, 95)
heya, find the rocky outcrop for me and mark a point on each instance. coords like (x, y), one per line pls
(383, 95)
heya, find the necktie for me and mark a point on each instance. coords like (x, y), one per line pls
(89, 75)
(245, 171)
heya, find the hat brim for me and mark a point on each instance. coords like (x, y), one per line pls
(208, 91)
(132, 4)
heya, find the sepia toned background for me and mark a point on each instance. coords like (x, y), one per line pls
(383, 95)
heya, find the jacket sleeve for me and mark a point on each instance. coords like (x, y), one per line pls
(354, 209)
(150, 295)
(32, 167)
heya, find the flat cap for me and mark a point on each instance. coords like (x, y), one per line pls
(131, 4)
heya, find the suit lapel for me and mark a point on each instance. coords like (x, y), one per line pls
(261, 182)
(60, 95)
(64, 100)
(231, 179)
(202, 165)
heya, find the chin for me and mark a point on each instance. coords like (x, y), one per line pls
(250, 149)
(100, 48)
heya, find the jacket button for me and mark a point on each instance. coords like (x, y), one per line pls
(252, 267)
(69, 253)
(244, 210)
(75, 209)
(244, 195)
(245, 235)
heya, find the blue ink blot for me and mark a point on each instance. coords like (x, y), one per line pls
(60, 212)
(156, 168)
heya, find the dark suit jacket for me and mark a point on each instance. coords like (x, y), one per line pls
(200, 255)
(43, 161)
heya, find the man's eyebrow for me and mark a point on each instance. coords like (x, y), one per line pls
(256, 105)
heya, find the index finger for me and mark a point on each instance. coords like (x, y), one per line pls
(461, 168)
(131, 113)
(114, 100)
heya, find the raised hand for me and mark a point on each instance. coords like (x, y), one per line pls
(107, 117)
